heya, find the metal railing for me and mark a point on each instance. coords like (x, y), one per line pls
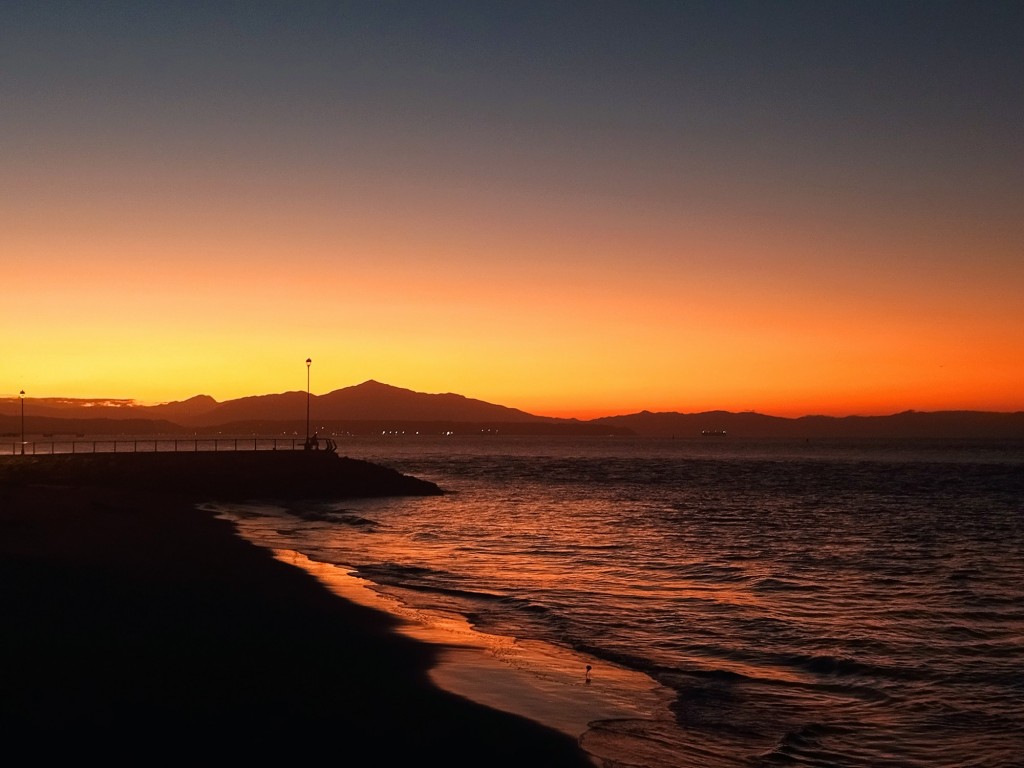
(121, 444)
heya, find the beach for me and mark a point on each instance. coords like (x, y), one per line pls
(138, 625)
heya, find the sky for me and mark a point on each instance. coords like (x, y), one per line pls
(577, 209)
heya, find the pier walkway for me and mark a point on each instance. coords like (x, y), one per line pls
(132, 444)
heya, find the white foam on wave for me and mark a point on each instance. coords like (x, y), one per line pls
(540, 681)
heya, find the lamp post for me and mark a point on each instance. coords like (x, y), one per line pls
(309, 362)
(22, 393)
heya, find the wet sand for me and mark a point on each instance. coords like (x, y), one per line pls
(135, 625)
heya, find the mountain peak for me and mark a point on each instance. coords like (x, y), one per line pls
(372, 384)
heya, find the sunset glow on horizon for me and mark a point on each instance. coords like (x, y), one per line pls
(577, 211)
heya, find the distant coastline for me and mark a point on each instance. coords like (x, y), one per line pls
(372, 408)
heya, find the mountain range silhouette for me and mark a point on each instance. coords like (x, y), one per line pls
(373, 407)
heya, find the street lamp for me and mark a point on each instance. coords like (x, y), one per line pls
(22, 393)
(309, 362)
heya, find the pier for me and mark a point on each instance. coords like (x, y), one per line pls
(245, 473)
(132, 444)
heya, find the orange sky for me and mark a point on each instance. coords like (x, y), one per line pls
(573, 232)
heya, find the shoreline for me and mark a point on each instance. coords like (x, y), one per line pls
(547, 684)
(134, 619)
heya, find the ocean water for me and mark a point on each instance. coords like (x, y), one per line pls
(768, 603)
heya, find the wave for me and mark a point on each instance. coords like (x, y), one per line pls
(776, 584)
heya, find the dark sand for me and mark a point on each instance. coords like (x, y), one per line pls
(136, 626)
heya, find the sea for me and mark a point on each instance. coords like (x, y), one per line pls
(711, 602)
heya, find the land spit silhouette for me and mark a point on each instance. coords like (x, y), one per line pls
(207, 475)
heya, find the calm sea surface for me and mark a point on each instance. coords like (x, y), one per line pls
(766, 603)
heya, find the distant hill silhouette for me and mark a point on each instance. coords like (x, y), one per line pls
(182, 412)
(909, 424)
(373, 407)
(369, 401)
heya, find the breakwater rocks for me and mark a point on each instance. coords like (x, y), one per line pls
(220, 475)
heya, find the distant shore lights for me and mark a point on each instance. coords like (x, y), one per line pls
(309, 362)
(22, 395)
